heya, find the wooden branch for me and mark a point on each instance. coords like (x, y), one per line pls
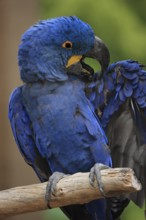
(72, 189)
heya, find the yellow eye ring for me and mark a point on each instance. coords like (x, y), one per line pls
(67, 44)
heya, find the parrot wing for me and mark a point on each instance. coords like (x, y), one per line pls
(124, 119)
(127, 150)
(25, 137)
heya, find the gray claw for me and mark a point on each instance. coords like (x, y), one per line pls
(96, 174)
(51, 186)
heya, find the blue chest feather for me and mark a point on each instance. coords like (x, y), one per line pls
(66, 130)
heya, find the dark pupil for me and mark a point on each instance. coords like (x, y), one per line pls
(68, 45)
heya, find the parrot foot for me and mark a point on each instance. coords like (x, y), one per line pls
(53, 180)
(96, 174)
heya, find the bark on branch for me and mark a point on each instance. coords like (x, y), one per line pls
(73, 189)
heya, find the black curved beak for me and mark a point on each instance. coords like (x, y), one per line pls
(100, 52)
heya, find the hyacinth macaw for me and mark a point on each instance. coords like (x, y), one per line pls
(120, 100)
(52, 119)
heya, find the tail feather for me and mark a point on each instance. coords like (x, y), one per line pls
(117, 205)
(99, 210)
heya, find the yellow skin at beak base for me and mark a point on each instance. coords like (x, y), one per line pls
(73, 59)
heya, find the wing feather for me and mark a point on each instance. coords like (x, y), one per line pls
(126, 149)
(24, 136)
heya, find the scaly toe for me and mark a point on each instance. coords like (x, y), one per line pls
(95, 173)
(51, 186)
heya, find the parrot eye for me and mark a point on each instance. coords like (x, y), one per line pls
(67, 44)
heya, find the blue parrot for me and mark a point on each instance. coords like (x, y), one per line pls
(119, 97)
(52, 119)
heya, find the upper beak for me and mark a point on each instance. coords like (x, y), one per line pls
(100, 52)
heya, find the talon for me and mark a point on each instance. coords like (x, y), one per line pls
(95, 173)
(51, 186)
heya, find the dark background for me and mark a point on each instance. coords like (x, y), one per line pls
(121, 24)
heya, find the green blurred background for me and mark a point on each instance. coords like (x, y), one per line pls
(122, 26)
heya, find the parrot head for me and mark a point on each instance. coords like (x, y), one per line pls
(50, 47)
